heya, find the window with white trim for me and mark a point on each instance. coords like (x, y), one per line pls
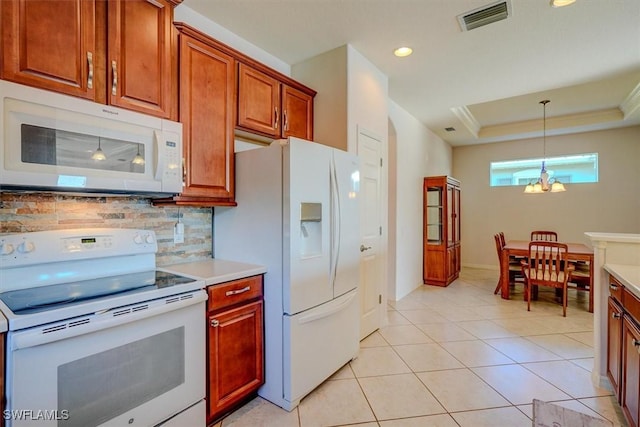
(570, 169)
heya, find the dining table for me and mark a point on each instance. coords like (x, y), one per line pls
(520, 248)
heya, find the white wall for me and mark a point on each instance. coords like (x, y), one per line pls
(327, 74)
(419, 153)
(367, 100)
(611, 205)
(184, 14)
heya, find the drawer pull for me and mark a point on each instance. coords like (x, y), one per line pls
(636, 343)
(613, 287)
(238, 291)
(615, 315)
(215, 323)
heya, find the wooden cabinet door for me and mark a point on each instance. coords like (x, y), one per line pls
(258, 102)
(235, 367)
(139, 66)
(207, 84)
(614, 341)
(297, 113)
(630, 401)
(51, 44)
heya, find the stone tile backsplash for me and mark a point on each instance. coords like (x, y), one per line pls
(24, 212)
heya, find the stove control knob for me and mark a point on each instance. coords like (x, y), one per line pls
(26, 247)
(6, 248)
(137, 239)
(149, 238)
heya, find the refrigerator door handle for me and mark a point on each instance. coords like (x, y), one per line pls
(328, 312)
(335, 222)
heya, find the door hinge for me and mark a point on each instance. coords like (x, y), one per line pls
(380, 161)
(380, 299)
(381, 230)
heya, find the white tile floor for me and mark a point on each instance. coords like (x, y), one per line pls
(457, 356)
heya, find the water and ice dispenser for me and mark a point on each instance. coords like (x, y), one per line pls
(311, 229)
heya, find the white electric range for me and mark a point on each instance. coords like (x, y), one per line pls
(97, 336)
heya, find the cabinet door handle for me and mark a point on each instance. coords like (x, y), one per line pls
(90, 74)
(114, 83)
(615, 315)
(215, 323)
(238, 291)
(276, 118)
(184, 173)
(284, 120)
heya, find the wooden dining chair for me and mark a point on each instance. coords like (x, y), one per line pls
(580, 280)
(547, 265)
(515, 272)
(547, 236)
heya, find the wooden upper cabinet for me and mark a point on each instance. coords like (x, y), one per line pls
(139, 55)
(117, 52)
(258, 101)
(207, 83)
(272, 107)
(297, 113)
(50, 44)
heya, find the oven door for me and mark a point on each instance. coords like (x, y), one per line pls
(132, 366)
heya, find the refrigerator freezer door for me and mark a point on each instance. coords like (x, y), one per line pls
(306, 225)
(346, 255)
(319, 343)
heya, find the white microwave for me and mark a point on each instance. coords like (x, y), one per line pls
(54, 142)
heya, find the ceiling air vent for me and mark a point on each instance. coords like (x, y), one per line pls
(485, 15)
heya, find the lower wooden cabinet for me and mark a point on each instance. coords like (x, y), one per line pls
(623, 349)
(630, 401)
(235, 363)
(614, 340)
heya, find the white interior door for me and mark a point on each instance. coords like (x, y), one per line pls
(370, 289)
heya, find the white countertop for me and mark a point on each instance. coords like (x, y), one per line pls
(214, 271)
(628, 275)
(614, 237)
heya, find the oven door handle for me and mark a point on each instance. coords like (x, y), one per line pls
(107, 319)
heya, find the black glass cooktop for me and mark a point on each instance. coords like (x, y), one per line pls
(34, 300)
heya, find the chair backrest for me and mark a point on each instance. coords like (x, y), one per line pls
(547, 265)
(547, 236)
(502, 239)
(499, 245)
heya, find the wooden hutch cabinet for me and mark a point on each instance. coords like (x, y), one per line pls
(117, 52)
(441, 230)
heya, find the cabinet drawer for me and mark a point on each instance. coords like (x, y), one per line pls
(237, 291)
(615, 289)
(631, 304)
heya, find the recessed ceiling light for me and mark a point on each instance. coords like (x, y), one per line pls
(403, 51)
(561, 3)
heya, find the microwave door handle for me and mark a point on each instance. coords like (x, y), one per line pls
(160, 157)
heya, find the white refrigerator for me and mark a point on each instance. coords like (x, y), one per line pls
(297, 214)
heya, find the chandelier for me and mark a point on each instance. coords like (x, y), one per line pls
(544, 184)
